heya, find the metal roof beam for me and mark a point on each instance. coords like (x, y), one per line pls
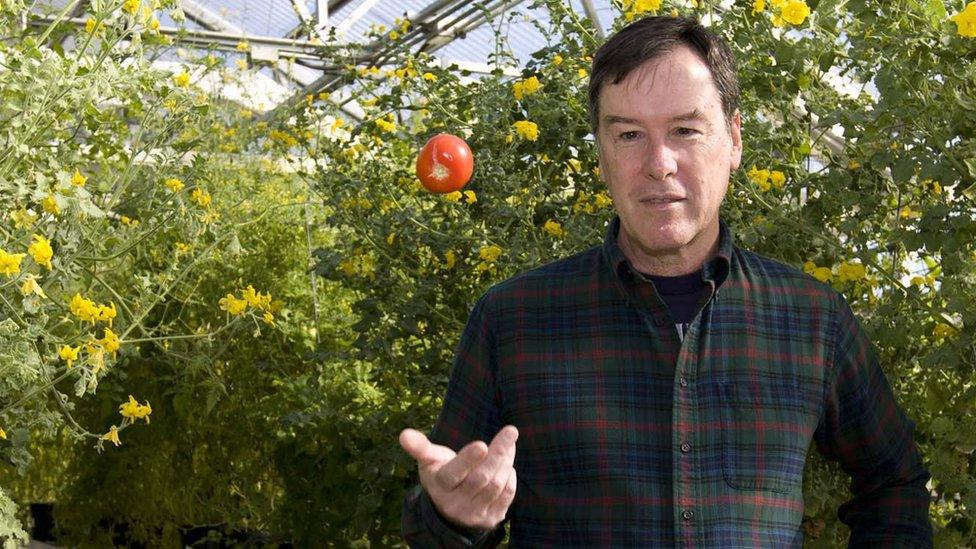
(379, 51)
(209, 19)
(321, 13)
(357, 14)
(590, 10)
(332, 7)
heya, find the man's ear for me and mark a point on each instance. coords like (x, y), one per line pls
(735, 131)
(599, 161)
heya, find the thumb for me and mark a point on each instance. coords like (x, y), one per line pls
(421, 449)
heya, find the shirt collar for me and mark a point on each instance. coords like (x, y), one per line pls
(715, 271)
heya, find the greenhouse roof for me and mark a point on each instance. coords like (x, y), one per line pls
(458, 32)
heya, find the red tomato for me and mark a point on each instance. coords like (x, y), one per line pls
(445, 164)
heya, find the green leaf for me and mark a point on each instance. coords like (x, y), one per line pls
(941, 425)
(936, 13)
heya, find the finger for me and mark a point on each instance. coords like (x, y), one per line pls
(421, 449)
(499, 506)
(493, 488)
(501, 455)
(455, 471)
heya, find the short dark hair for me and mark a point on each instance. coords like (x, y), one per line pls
(654, 36)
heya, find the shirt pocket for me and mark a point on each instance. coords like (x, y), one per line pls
(766, 432)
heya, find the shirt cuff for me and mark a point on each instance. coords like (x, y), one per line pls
(451, 535)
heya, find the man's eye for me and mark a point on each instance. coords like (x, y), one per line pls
(629, 136)
(687, 132)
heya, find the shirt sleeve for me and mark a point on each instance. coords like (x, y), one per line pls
(865, 430)
(470, 412)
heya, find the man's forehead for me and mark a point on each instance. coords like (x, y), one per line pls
(681, 65)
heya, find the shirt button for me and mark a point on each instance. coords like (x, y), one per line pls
(688, 515)
(683, 382)
(685, 448)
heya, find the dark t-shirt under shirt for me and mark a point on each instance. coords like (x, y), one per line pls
(682, 294)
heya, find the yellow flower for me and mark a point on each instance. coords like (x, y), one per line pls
(795, 12)
(181, 79)
(759, 177)
(450, 258)
(133, 411)
(268, 318)
(526, 129)
(41, 251)
(777, 179)
(173, 184)
(386, 123)
(50, 205)
(131, 6)
(112, 436)
(22, 218)
(78, 179)
(470, 197)
(822, 274)
(91, 25)
(201, 197)
(69, 354)
(257, 300)
(525, 87)
(943, 330)
(83, 308)
(96, 357)
(908, 213)
(3, 434)
(758, 6)
(932, 186)
(850, 271)
(557, 60)
(966, 21)
(853, 164)
(633, 8)
(232, 304)
(554, 229)
(394, 35)
(10, 263)
(128, 221)
(110, 341)
(30, 286)
(452, 196)
(106, 313)
(154, 24)
(243, 46)
(582, 73)
(602, 200)
(430, 77)
(490, 253)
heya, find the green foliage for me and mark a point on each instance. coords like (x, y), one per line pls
(284, 418)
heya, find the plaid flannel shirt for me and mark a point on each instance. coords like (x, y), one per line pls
(630, 435)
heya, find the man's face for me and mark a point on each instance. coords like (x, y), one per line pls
(666, 154)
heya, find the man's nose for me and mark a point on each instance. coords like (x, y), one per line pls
(660, 160)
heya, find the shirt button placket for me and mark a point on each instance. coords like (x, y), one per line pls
(687, 514)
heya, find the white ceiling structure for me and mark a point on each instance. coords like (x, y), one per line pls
(283, 35)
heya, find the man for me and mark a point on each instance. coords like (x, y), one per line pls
(663, 388)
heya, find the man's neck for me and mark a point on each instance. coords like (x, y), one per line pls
(684, 260)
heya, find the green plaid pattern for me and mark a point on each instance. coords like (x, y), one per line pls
(630, 436)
